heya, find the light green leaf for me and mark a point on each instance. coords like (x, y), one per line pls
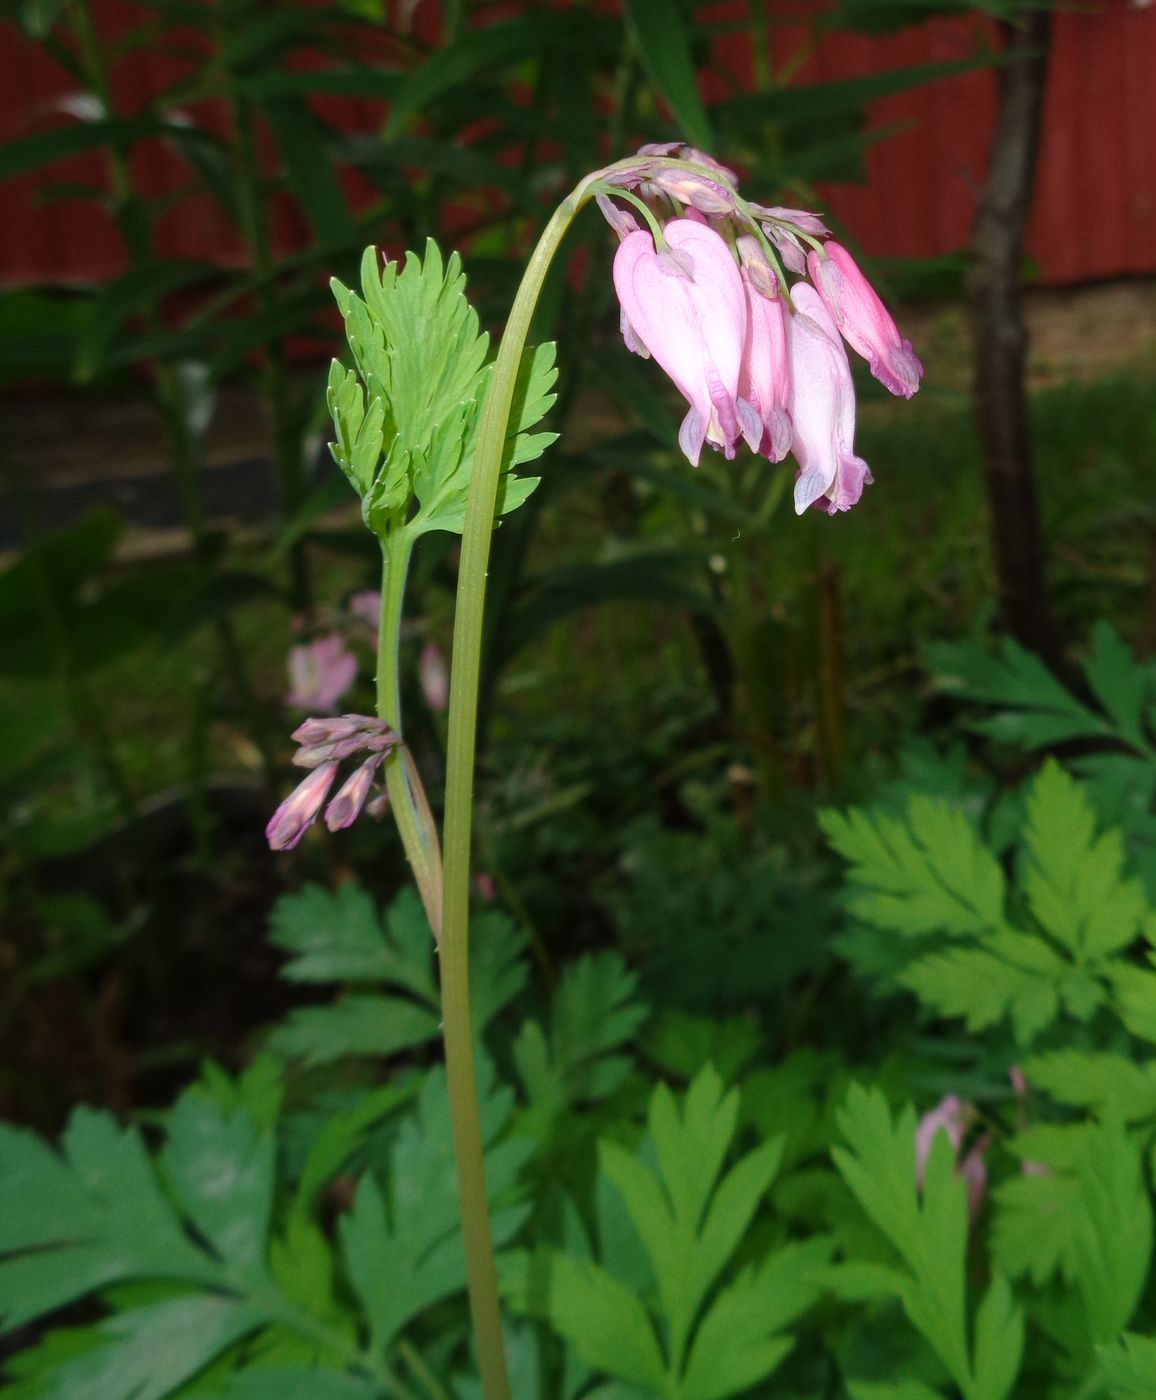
(1109, 1085)
(982, 987)
(338, 936)
(999, 1341)
(1033, 1234)
(926, 874)
(1113, 1236)
(73, 1224)
(357, 1024)
(222, 1168)
(740, 1340)
(1073, 880)
(603, 1320)
(928, 1229)
(1129, 1367)
(401, 1242)
(149, 1352)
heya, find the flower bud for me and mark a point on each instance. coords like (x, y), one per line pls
(298, 812)
(864, 321)
(345, 808)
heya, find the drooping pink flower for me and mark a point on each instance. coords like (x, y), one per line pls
(952, 1116)
(863, 320)
(765, 376)
(320, 672)
(298, 812)
(822, 411)
(689, 310)
(435, 678)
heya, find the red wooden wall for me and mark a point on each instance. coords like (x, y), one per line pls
(1095, 210)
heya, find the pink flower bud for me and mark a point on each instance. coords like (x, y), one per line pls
(694, 327)
(320, 673)
(762, 275)
(765, 380)
(351, 797)
(802, 219)
(864, 321)
(822, 412)
(622, 221)
(948, 1116)
(951, 1116)
(435, 678)
(707, 196)
(299, 811)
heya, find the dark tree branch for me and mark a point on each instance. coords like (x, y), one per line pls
(994, 294)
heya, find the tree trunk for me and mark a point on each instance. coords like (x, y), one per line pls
(993, 289)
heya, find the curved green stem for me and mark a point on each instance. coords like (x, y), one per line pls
(465, 676)
(407, 797)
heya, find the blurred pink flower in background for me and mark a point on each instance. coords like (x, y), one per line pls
(366, 607)
(320, 672)
(435, 678)
(953, 1116)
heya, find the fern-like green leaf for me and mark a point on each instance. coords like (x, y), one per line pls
(928, 1230)
(927, 874)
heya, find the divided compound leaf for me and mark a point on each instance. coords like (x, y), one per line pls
(604, 1320)
(401, 1241)
(150, 1352)
(923, 874)
(395, 1003)
(406, 418)
(691, 1217)
(222, 1168)
(580, 1056)
(1113, 1229)
(75, 1222)
(740, 1340)
(1073, 879)
(928, 1230)
(1129, 1367)
(1035, 709)
(928, 874)
(1110, 1086)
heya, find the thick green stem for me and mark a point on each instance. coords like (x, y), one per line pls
(465, 676)
(410, 809)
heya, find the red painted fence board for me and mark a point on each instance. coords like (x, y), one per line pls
(1095, 208)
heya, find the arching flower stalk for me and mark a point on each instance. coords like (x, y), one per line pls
(428, 433)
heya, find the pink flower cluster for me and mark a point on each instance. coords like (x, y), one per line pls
(324, 745)
(756, 357)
